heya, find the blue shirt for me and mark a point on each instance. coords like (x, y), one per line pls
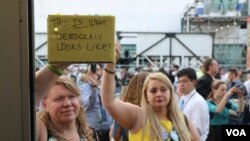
(96, 115)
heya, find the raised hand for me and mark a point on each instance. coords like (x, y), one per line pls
(117, 52)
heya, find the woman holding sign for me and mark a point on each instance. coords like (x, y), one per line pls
(62, 117)
(158, 119)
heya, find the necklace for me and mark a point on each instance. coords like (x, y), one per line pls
(68, 139)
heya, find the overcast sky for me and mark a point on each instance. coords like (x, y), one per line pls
(131, 15)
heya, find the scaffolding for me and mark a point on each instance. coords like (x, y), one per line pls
(163, 50)
(227, 19)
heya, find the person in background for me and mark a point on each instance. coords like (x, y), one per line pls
(203, 85)
(223, 75)
(125, 76)
(159, 117)
(170, 76)
(220, 107)
(191, 100)
(132, 94)
(62, 117)
(234, 81)
(200, 72)
(240, 75)
(118, 86)
(97, 117)
(84, 78)
(174, 72)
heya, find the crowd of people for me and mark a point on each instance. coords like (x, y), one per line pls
(99, 105)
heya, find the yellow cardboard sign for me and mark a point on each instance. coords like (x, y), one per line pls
(81, 39)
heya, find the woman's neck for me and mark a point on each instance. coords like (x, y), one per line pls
(67, 131)
(70, 134)
(217, 99)
(161, 113)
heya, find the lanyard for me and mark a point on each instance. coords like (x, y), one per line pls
(187, 101)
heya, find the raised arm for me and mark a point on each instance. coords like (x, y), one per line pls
(224, 100)
(240, 101)
(45, 78)
(125, 114)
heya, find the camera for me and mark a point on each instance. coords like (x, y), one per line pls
(240, 88)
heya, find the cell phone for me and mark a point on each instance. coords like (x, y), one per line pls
(93, 68)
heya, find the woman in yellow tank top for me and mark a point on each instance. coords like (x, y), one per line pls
(167, 125)
(159, 117)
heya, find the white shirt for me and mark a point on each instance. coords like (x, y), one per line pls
(247, 85)
(196, 110)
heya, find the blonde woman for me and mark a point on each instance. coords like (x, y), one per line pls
(62, 117)
(158, 118)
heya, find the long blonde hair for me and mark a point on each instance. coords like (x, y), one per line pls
(80, 120)
(173, 112)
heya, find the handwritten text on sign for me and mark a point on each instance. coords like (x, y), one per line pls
(80, 38)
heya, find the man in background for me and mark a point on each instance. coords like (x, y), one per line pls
(191, 102)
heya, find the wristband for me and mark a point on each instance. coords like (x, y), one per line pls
(54, 69)
(108, 71)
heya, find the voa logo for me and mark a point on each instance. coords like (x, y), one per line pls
(236, 132)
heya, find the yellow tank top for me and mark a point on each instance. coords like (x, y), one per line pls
(138, 135)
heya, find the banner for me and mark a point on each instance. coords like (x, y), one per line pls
(81, 39)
